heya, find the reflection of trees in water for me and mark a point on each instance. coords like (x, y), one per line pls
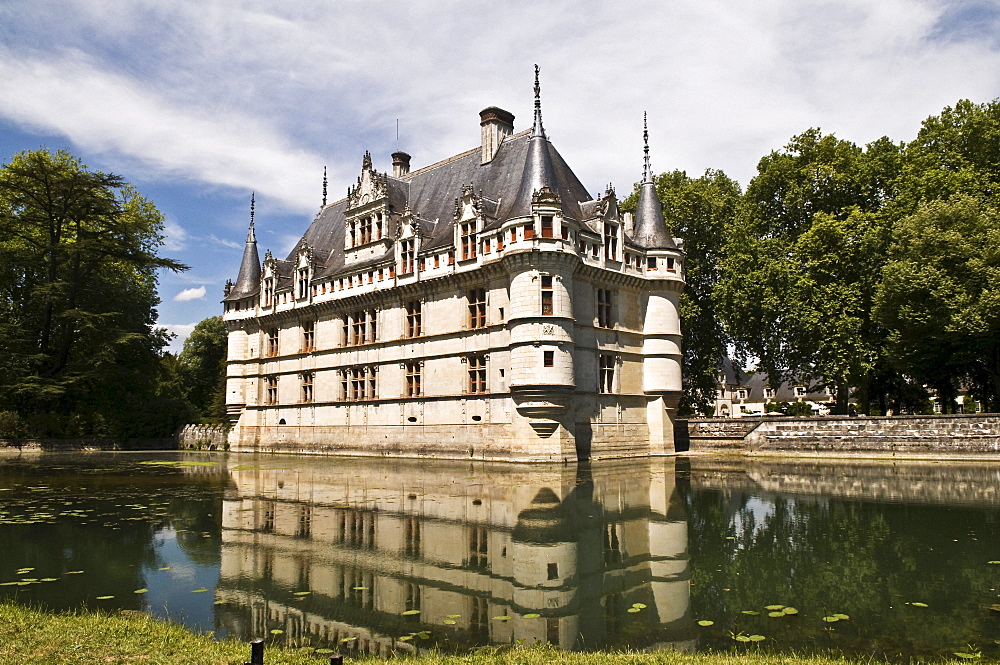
(828, 556)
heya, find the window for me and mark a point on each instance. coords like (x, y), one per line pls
(651, 263)
(413, 318)
(478, 548)
(270, 390)
(477, 374)
(768, 392)
(308, 378)
(272, 342)
(468, 233)
(549, 358)
(513, 235)
(606, 377)
(741, 394)
(308, 336)
(604, 301)
(529, 231)
(360, 327)
(412, 537)
(799, 391)
(477, 308)
(611, 242)
(546, 226)
(361, 384)
(546, 295)
(670, 265)
(412, 379)
(302, 275)
(268, 291)
(345, 389)
(303, 530)
(407, 252)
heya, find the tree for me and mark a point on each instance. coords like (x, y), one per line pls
(801, 261)
(78, 261)
(698, 210)
(940, 297)
(203, 368)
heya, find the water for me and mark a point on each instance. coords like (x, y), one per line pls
(386, 556)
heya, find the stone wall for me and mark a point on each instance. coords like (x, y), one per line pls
(892, 435)
(203, 437)
(57, 445)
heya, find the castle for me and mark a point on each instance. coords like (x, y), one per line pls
(485, 306)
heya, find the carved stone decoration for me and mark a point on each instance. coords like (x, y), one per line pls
(468, 205)
(372, 186)
(546, 196)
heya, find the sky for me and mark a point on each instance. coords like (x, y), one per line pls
(199, 103)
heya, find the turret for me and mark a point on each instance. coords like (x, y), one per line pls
(248, 281)
(661, 345)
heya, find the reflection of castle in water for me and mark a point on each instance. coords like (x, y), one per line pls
(387, 549)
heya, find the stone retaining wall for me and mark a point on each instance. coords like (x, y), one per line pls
(58, 445)
(203, 437)
(891, 435)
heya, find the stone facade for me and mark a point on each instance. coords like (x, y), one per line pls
(484, 306)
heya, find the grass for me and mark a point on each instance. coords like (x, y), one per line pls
(30, 636)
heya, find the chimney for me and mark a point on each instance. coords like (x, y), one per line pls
(400, 164)
(497, 125)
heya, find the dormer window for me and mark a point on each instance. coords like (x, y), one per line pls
(268, 291)
(547, 226)
(467, 231)
(302, 277)
(611, 242)
(407, 256)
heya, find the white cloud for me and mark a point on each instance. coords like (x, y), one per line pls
(190, 294)
(223, 242)
(181, 330)
(261, 95)
(174, 236)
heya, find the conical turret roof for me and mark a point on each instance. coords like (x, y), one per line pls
(538, 169)
(650, 228)
(248, 281)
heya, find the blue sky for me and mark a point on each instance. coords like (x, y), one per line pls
(200, 102)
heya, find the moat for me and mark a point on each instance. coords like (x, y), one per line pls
(391, 556)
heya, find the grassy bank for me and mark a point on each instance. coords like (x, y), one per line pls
(29, 636)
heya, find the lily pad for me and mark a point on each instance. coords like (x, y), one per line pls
(325, 651)
(359, 588)
(790, 610)
(742, 638)
(756, 638)
(409, 613)
(639, 605)
(348, 639)
(105, 597)
(502, 617)
(405, 638)
(706, 622)
(831, 619)
(140, 591)
(450, 622)
(775, 615)
(968, 656)
(994, 563)
(842, 617)
(201, 590)
(919, 604)
(633, 610)
(533, 615)
(454, 616)
(302, 593)
(277, 631)
(73, 572)
(752, 613)
(774, 608)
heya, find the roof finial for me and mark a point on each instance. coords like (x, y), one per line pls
(647, 171)
(324, 186)
(538, 130)
(250, 234)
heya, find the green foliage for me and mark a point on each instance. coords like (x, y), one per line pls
(802, 258)
(78, 261)
(799, 409)
(202, 367)
(12, 425)
(698, 210)
(940, 297)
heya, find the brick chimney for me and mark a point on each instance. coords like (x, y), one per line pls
(497, 125)
(400, 164)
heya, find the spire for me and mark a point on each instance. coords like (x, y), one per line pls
(650, 227)
(647, 171)
(538, 169)
(324, 186)
(537, 129)
(248, 281)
